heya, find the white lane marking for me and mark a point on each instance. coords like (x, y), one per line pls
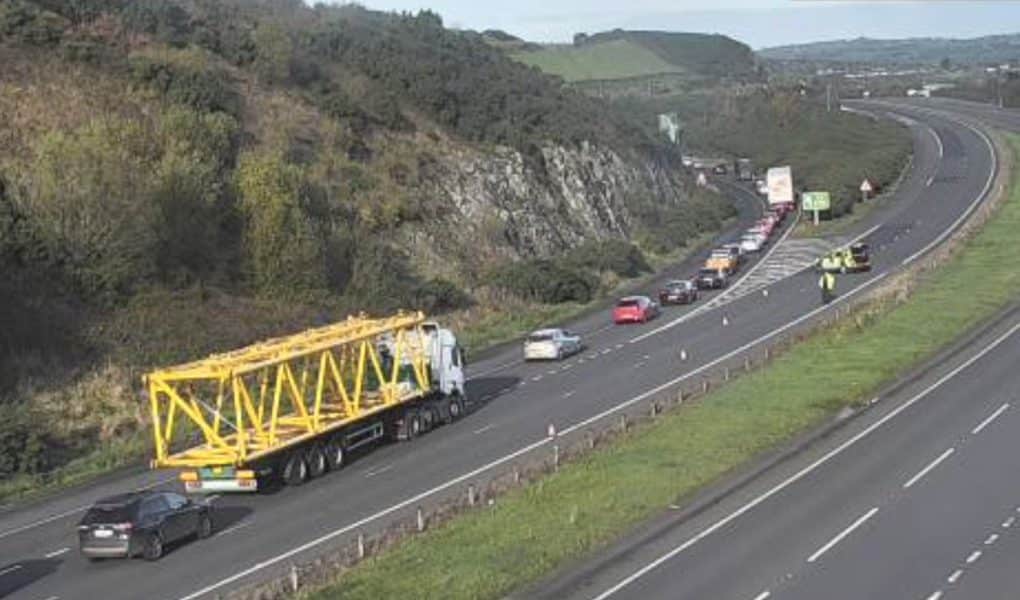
(957, 574)
(618, 346)
(536, 378)
(763, 595)
(936, 596)
(72, 511)
(929, 182)
(839, 538)
(988, 421)
(928, 468)
(805, 471)
(551, 372)
(56, 553)
(342, 530)
(570, 393)
(607, 351)
(638, 365)
(379, 471)
(938, 140)
(53, 598)
(722, 358)
(496, 368)
(991, 539)
(483, 429)
(240, 525)
(1008, 522)
(973, 205)
(9, 570)
(973, 557)
(566, 367)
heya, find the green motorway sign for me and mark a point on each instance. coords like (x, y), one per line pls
(816, 201)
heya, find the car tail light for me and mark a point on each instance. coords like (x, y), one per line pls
(122, 527)
(188, 476)
(246, 474)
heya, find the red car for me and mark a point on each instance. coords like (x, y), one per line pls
(635, 309)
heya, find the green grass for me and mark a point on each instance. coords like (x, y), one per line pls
(531, 531)
(617, 59)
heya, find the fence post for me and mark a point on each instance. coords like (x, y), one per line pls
(421, 520)
(293, 578)
(361, 546)
(471, 494)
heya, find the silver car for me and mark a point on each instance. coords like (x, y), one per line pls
(551, 344)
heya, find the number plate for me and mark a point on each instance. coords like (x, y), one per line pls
(102, 533)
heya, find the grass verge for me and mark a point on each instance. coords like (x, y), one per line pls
(529, 532)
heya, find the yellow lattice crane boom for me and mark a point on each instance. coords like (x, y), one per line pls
(293, 406)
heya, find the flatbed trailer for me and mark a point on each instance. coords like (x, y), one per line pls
(290, 409)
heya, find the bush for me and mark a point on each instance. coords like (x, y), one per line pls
(25, 23)
(546, 281)
(614, 256)
(438, 296)
(24, 449)
(203, 89)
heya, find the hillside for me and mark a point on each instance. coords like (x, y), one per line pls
(915, 51)
(623, 54)
(185, 176)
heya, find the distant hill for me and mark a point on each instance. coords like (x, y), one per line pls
(623, 54)
(915, 51)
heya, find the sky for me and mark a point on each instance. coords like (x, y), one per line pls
(759, 23)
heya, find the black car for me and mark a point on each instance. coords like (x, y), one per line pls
(678, 292)
(711, 279)
(142, 523)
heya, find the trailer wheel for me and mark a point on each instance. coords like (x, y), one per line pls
(428, 419)
(295, 469)
(336, 456)
(316, 460)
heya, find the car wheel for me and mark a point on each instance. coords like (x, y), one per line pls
(205, 528)
(153, 547)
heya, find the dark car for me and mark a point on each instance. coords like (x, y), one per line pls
(142, 523)
(711, 279)
(678, 292)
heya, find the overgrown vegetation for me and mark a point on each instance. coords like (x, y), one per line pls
(531, 531)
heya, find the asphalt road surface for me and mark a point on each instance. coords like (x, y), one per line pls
(513, 404)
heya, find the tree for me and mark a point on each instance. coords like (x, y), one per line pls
(945, 64)
(285, 251)
(273, 52)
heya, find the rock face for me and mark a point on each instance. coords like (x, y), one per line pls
(502, 205)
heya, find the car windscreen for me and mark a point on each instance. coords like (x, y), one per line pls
(113, 513)
(627, 304)
(540, 337)
(709, 272)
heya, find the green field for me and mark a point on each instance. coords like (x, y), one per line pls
(618, 59)
(532, 531)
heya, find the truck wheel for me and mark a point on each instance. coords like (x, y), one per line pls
(412, 424)
(316, 461)
(295, 469)
(336, 456)
(428, 421)
(456, 407)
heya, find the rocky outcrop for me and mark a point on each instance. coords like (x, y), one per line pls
(501, 204)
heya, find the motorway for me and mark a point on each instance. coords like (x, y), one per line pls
(260, 536)
(918, 498)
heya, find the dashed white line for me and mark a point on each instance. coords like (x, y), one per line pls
(935, 596)
(973, 557)
(763, 595)
(1008, 522)
(928, 468)
(56, 553)
(536, 378)
(570, 393)
(9, 570)
(607, 351)
(551, 372)
(482, 429)
(378, 470)
(828, 546)
(955, 576)
(992, 417)
(237, 527)
(618, 346)
(930, 181)
(991, 539)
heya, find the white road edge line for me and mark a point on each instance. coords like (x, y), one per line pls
(806, 470)
(839, 538)
(984, 192)
(240, 525)
(56, 553)
(928, 468)
(482, 430)
(995, 415)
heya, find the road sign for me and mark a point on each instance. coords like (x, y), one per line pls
(867, 187)
(816, 201)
